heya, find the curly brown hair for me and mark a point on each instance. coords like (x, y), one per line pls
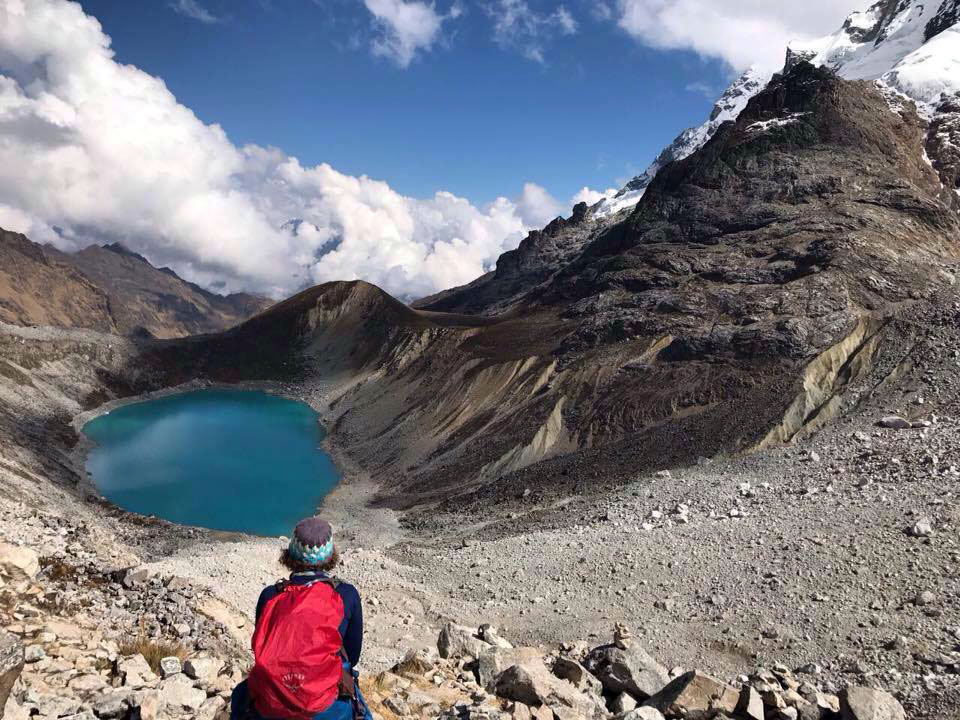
(294, 565)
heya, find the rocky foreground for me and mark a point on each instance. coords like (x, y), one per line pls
(82, 643)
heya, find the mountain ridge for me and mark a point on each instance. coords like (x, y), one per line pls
(110, 289)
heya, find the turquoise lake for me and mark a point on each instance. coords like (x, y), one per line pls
(221, 459)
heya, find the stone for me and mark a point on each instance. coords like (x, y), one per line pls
(533, 684)
(629, 670)
(87, 683)
(170, 666)
(644, 713)
(458, 641)
(12, 710)
(11, 664)
(495, 660)
(203, 668)
(138, 576)
(178, 694)
(576, 674)
(135, 671)
(521, 712)
(894, 422)
(750, 705)
(211, 706)
(110, 706)
(34, 653)
(150, 706)
(623, 703)
(18, 563)
(862, 703)
(695, 692)
(925, 598)
(489, 634)
(922, 528)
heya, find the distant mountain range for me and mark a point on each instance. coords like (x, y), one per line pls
(110, 289)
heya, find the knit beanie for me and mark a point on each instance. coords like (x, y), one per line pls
(312, 541)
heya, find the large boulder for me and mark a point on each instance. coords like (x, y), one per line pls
(532, 683)
(18, 563)
(11, 665)
(863, 703)
(458, 641)
(694, 692)
(495, 660)
(631, 670)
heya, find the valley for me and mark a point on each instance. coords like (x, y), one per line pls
(714, 418)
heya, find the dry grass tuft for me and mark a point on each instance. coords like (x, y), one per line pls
(154, 650)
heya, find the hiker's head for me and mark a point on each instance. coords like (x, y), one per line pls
(311, 547)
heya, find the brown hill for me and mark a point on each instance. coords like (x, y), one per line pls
(109, 289)
(38, 290)
(156, 301)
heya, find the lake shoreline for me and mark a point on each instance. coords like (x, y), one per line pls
(347, 504)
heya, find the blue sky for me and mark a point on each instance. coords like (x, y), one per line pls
(415, 140)
(471, 115)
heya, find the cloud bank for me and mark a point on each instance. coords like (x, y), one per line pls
(95, 151)
(739, 32)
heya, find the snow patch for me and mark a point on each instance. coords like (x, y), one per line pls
(765, 125)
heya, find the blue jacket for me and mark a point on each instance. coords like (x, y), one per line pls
(351, 627)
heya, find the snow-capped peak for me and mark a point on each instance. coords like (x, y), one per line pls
(911, 47)
(908, 45)
(727, 107)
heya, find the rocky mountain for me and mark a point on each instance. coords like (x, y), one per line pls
(749, 288)
(912, 48)
(36, 290)
(156, 301)
(111, 289)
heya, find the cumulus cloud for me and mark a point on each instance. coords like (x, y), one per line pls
(519, 27)
(591, 197)
(739, 32)
(193, 9)
(96, 151)
(406, 27)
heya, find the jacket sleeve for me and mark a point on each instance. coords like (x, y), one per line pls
(265, 595)
(353, 633)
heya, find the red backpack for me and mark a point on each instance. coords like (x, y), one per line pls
(298, 652)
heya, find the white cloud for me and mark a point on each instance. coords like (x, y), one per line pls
(536, 206)
(193, 9)
(517, 26)
(590, 196)
(740, 32)
(104, 152)
(406, 27)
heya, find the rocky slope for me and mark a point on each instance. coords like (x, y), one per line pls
(109, 289)
(157, 302)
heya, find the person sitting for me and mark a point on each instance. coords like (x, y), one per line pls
(307, 638)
